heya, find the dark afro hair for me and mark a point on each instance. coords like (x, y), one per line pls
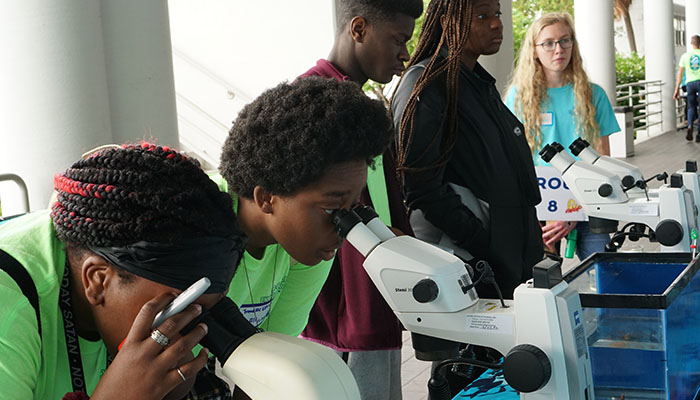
(288, 137)
(140, 192)
(375, 11)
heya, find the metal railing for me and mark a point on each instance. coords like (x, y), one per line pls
(23, 189)
(644, 98)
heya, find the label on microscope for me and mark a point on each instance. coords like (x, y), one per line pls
(645, 209)
(503, 324)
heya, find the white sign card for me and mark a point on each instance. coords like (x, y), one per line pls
(558, 203)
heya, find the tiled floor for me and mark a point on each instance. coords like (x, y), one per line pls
(667, 152)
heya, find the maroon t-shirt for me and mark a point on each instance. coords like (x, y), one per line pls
(350, 314)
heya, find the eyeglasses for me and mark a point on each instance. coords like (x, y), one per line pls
(550, 45)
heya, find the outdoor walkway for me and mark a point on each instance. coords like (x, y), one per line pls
(667, 152)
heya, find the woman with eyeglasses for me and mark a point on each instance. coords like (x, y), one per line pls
(551, 94)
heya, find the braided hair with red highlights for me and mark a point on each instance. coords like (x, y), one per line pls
(139, 192)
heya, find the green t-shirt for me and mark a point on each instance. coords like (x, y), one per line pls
(30, 369)
(275, 293)
(691, 62)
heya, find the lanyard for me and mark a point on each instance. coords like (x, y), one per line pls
(72, 345)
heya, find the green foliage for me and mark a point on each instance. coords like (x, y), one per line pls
(629, 69)
(525, 12)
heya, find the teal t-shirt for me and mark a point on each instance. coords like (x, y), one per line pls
(30, 367)
(275, 293)
(558, 123)
(690, 61)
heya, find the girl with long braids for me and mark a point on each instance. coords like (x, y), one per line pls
(81, 283)
(465, 165)
(551, 94)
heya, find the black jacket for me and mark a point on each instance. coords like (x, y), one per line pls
(491, 157)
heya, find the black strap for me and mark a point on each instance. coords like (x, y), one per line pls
(23, 280)
(72, 344)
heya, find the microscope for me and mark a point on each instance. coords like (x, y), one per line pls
(541, 331)
(670, 213)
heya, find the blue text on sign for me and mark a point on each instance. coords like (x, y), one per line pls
(553, 183)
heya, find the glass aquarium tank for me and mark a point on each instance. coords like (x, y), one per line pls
(642, 319)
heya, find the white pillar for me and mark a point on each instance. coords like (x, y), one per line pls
(77, 74)
(53, 101)
(692, 20)
(660, 60)
(595, 35)
(500, 65)
(138, 55)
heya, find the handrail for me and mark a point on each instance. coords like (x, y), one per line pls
(637, 95)
(640, 83)
(20, 182)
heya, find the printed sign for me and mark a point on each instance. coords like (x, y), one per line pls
(558, 203)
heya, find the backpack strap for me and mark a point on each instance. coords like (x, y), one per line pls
(23, 280)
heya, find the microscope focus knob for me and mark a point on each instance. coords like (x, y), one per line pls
(527, 368)
(669, 232)
(628, 181)
(425, 291)
(605, 190)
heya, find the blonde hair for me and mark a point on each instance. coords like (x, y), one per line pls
(531, 85)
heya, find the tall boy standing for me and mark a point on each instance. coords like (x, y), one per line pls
(350, 315)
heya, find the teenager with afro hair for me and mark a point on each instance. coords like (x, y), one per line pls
(294, 155)
(81, 284)
(350, 314)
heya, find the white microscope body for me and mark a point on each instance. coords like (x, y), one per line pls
(630, 176)
(671, 211)
(431, 293)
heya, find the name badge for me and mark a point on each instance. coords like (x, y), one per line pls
(546, 119)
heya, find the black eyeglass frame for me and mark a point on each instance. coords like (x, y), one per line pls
(568, 40)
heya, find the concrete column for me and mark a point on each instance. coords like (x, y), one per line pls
(500, 65)
(595, 36)
(692, 20)
(53, 101)
(660, 62)
(138, 56)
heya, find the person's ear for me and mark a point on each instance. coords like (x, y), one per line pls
(358, 29)
(96, 275)
(262, 199)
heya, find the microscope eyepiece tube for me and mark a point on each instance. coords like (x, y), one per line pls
(371, 219)
(584, 151)
(349, 225)
(556, 155)
(547, 152)
(578, 145)
(344, 221)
